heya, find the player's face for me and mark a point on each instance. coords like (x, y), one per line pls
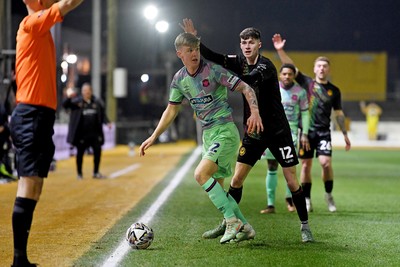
(286, 76)
(190, 57)
(321, 70)
(250, 47)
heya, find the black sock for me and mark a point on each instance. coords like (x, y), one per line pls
(21, 223)
(236, 193)
(328, 186)
(306, 189)
(300, 204)
(289, 200)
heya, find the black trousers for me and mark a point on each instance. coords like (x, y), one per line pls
(84, 144)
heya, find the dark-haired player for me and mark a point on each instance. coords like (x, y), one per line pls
(261, 74)
(295, 104)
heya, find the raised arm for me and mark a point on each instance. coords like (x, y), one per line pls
(254, 122)
(167, 118)
(66, 6)
(188, 26)
(279, 45)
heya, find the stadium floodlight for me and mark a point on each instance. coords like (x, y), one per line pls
(144, 78)
(71, 58)
(162, 26)
(150, 12)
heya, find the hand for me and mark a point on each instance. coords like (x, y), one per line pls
(145, 145)
(71, 92)
(304, 142)
(279, 43)
(188, 26)
(348, 144)
(254, 123)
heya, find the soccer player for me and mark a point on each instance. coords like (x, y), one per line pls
(205, 85)
(323, 97)
(261, 74)
(295, 104)
(33, 118)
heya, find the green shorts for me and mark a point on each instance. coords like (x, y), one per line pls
(221, 145)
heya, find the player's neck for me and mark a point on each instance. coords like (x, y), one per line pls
(321, 81)
(252, 60)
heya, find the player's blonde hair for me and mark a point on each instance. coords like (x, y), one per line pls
(322, 58)
(186, 39)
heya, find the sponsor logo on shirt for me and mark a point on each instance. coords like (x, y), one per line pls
(201, 100)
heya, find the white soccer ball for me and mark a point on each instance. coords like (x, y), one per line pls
(139, 236)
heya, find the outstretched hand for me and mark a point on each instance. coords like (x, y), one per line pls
(188, 26)
(145, 145)
(279, 43)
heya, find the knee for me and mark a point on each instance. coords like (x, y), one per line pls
(326, 164)
(200, 177)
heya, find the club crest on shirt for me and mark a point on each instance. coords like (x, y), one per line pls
(206, 83)
(294, 97)
(242, 151)
(40, 13)
(330, 93)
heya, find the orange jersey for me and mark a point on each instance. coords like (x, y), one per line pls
(36, 59)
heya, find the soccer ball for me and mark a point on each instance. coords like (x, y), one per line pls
(139, 236)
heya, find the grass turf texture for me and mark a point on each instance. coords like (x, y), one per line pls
(364, 232)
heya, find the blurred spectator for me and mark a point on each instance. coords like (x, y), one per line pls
(86, 126)
(372, 112)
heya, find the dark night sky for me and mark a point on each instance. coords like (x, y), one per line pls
(356, 25)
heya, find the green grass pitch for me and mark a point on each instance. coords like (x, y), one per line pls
(365, 231)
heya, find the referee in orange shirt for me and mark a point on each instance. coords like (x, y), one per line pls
(33, 118)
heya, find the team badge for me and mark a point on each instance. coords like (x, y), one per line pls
(242, 151)
(294, 97)
(206, 83)
(330, 92)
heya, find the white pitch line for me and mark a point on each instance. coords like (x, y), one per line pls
(123, 247)
(124, 171)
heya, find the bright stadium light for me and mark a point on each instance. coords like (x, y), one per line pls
(162, 26)
(144, 78)
(71, 58)
(150, 12)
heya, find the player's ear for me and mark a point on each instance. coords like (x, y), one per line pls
(259, 44)
(179, 54)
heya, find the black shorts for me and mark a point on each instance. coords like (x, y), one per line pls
(32, 129)
(320, 141)
(280, 145)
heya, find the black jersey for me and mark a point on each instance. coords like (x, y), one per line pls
(322, 99)
(263, 78)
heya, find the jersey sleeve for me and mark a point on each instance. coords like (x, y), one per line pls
(337, 100)
(175, 94)
(303, 100)
(225, 77)
(42, 21)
